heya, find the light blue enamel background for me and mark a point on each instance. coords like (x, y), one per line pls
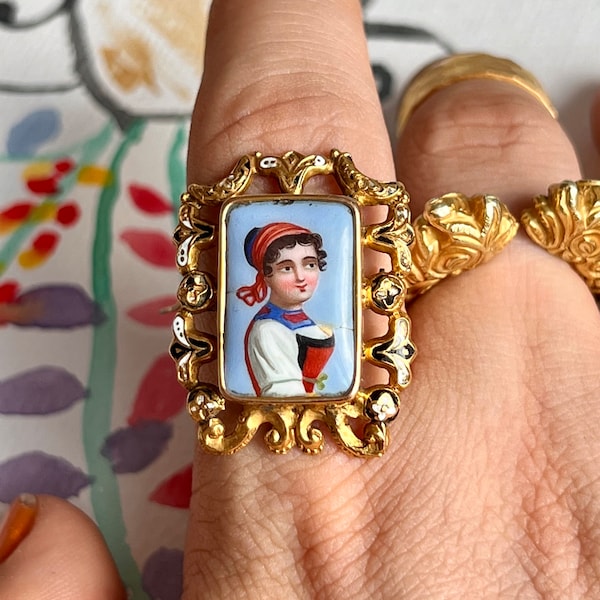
(332, 303)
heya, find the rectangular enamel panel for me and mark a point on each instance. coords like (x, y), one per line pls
(289, 298)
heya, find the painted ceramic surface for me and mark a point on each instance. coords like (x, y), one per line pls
(94, 97)
(331, 307)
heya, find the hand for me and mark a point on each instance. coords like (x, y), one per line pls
(490, 488)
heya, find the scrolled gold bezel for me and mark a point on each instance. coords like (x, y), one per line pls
(356, 418)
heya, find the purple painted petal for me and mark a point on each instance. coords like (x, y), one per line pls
(133, 448)
(40, 391)
(40, 473)
(162, 576)
(59, 306)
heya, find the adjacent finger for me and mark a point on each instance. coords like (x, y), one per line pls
(493, 381)
(280, 75)
(56, 553)
(483, 136)
(486, 136)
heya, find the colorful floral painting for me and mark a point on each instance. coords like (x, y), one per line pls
(92, 165)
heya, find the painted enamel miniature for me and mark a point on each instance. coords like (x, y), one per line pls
(289, 293)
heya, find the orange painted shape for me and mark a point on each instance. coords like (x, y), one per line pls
(7, 225)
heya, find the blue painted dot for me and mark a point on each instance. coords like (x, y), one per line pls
(29, 133)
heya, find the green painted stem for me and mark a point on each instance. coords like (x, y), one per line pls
(106, 499)
(176, 168)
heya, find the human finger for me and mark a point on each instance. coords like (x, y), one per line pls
(489, 385)
(485, 135)
(279, 75)
(482, 135)
(50, 550)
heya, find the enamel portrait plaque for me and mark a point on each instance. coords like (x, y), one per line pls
(268, 337)
(289, 302)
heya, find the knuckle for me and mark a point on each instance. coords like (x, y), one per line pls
(300, 111)
(483, 135)
(497, 121)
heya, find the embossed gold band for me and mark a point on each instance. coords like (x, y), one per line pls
(566, 222)
(456, 233)
(463, 67)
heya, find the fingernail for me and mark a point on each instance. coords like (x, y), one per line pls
(17, 524)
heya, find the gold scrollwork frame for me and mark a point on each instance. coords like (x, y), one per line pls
(357, 423)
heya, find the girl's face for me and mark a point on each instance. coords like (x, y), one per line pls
(294, 278)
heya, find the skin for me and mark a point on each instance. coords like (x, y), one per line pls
(294, 278)
(491, 487)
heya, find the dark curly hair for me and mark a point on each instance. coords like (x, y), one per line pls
(289, 241)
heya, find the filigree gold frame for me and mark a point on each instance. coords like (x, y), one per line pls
(358, 423)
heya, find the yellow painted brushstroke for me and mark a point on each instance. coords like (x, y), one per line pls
(181, 22)
(38, 170)
(30, 259)
(44, 212)
(130, 64)
(94, 175)
(153, 44)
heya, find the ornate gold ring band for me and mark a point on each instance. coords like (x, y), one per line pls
(566, 222)
(289, 294)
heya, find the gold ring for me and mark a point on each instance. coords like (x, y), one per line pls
(566, 222)
(289, 355)
(462, 67)
(456, 233)
(289, 295)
